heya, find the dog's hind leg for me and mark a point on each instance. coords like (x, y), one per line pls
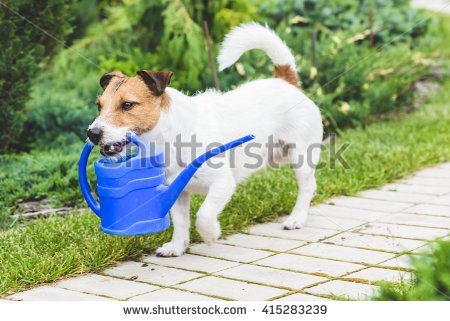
(219, 194)
(306, 180)
(307, 188)
(181, 223)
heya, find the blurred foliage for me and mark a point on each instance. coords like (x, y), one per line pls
(25, 43)
(349, 76)
(39, 175)
(431, 281)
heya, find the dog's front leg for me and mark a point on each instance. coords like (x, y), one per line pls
(181, 223)
(219, 193)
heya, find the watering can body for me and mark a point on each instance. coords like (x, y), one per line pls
(133, 199)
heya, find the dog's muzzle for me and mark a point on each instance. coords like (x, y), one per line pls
(112, 149)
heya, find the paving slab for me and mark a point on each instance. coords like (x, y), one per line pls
(271, 276)
(331, 211)
(191, 262)
(343, 253)
(307, 264)
(426, 249)
(402, 231)
(332, 223)
(50, 293)
(378, 274)
(416, 189)
(396, 196)
(443, 165)
(172, 295)
(350, 290)
(229, 252)
(261, 242)
(374, 242)
(402, 261)
(106, 286)
(151, 273)
(369, 204)
(232, 289)
(417, 220)
(308, 234)
(302, 297)
(429, 209)
(441, 200)
(427, 181)
(434, 172)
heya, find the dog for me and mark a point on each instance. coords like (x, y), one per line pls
(272, 108)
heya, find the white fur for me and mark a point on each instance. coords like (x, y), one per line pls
(262, 107)
(254, 36)
(113, 133)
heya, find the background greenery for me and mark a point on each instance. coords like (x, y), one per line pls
(49, 80)
(23, 48)
(49, 102)
(135, 34)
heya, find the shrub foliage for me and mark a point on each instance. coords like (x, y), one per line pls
(30, 32)
(431, 278)
(351, 75)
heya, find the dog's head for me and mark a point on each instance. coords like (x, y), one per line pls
(128, 105)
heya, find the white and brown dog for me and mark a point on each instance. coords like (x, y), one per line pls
(268, 108)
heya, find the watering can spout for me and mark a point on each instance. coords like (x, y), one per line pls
(172, 192)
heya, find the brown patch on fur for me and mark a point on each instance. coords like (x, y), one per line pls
(287, 73)
(145, 112)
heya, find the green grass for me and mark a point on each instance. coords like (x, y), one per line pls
(49, 249)
(50, 175)
(431, 281)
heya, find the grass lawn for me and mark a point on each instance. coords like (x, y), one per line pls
(48, 249)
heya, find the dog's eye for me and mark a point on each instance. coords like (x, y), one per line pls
(99, 107)
(127, 105)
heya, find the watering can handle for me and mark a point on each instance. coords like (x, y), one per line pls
(82, 176)
(138, 142)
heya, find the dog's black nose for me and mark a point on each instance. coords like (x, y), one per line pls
(94, 135)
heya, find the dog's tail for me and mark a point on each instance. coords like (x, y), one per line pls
(255, 36)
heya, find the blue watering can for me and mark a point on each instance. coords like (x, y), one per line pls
(133, 197)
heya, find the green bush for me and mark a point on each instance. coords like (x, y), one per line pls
(349, 77)
(31, 31)
(431, 280)
(354, 80)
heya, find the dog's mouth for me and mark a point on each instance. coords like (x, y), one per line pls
(112, 149)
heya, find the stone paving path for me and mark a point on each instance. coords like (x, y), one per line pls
(348, 246)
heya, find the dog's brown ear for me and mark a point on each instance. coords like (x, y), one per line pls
(107, 76)
(156, 81)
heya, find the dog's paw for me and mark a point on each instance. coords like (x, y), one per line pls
(209, 230)
(293, 223)
(171, 249)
